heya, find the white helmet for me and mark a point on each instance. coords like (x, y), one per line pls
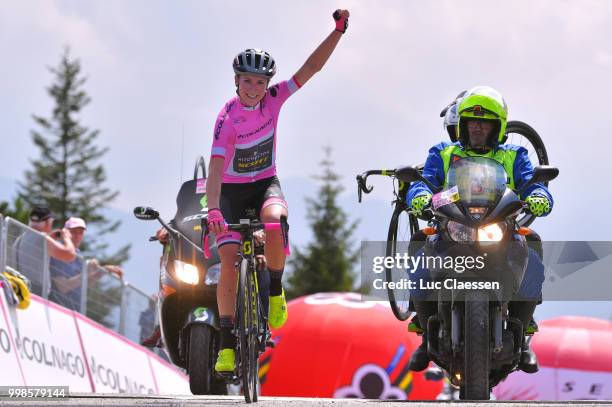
(254, 61)
(451, 118)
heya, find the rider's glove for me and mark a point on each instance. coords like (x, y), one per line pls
(215, 217)
(539, 205)
(419, 203)
(341, 18)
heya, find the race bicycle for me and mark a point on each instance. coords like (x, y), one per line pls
(251, 323)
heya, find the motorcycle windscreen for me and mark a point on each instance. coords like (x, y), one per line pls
(191, 207)
(478, 181)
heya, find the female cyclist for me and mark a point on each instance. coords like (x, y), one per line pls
(242, 173)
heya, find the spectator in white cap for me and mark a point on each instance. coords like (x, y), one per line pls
(41, 220)
(67, 277)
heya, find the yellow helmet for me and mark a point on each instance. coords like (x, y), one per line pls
(484, 103)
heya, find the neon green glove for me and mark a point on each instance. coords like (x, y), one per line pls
(419, 203)
(538, 205)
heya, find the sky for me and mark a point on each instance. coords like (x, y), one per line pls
(159, 72)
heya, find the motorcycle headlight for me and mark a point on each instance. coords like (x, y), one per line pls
(491, 233)
(187, 273)
(461, 233)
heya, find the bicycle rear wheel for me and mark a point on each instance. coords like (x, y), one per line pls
(522, 134)
(401, 228)
(248, 327)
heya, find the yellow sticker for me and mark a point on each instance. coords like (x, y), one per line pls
(246, 247)
(446, 197)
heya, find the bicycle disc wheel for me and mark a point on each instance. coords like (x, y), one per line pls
(522, 134)
(398, 240)
(248, 330)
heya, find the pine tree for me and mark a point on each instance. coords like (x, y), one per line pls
(19, 211)
(68, 175)
(326, 264)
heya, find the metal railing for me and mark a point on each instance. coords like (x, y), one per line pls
(81, 285)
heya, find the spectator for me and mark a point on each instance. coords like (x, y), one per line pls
(28, 249)
(67, 277)
(150, 334)
(41, 220)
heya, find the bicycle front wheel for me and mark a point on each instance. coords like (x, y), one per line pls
(248, 327)
(401, 228)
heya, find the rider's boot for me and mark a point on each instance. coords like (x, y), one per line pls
(419, 360)
(523, 310)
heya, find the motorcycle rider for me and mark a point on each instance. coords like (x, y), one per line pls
(242, 173)
(482, 115)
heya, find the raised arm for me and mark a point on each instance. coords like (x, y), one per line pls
(62, 251)
(319, 57)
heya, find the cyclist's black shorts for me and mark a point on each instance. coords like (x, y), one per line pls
(245, 201)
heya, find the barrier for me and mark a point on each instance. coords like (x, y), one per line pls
(26, 252)
(72, 335)
(92, 291)
(139, 315)
(48, 344)
(104, 300)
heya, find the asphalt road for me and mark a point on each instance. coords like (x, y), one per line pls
(176, 401)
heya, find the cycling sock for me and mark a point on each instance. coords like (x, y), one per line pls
(276, 287)
(228, 340)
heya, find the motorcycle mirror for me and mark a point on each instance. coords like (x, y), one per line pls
(541, 173)
(544, 173)
(408, 174)
(145, 213)
(412, 174)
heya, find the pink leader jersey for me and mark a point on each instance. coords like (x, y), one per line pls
(246, 136)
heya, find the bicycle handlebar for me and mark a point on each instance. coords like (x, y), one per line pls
(249, 227)
(363, 178)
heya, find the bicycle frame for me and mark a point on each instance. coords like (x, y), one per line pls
(251, 338)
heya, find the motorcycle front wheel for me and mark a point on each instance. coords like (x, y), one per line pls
(476, 347)
(200, 357)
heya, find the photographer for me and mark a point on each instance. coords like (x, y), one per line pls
(27, 255)
(67, 276)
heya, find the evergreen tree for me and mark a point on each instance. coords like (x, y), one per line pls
(19, 211)
(326, 264)
(68, 175)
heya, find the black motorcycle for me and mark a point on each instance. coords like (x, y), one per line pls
(472, 337)
(187, 301)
